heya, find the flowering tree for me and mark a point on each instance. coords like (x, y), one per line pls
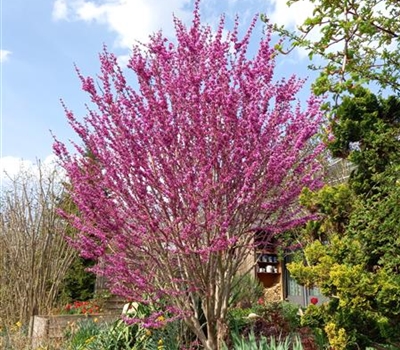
(184, 169)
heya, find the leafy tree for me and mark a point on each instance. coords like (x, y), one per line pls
(187, 167)
(354, 254)
(358, 42)
(367, 134)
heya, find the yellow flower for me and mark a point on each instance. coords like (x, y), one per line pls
(160, 318)
(160, 342)
(95, 320)
(18, 324)
(148, 332)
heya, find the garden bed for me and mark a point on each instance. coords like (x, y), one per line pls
(53, 327)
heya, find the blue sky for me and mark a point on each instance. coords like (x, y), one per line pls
(41, 41)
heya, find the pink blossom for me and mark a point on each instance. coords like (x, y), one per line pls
(174, 177)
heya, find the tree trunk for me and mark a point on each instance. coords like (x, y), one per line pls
(222, 332)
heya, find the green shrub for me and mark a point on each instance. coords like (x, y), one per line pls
(79, 284)
(278, 320)
(238, 318)
(246, 291)
(83, 335)
(120, 335)
(287, 313)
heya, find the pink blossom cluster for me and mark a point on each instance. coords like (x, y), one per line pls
(173, 175)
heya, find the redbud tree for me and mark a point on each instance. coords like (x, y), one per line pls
(175, 176)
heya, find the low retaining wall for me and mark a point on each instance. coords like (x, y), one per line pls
(52, 328)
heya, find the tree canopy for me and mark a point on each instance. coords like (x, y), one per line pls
(353, 249)
(208, 149)
(351, 252)
(351, 43)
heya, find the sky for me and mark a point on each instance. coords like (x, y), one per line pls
(41, 41)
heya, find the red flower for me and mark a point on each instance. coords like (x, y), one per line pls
(261, 301)
(314, 300)
(82, 307)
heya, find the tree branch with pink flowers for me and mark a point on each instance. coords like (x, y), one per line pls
(183, 168)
